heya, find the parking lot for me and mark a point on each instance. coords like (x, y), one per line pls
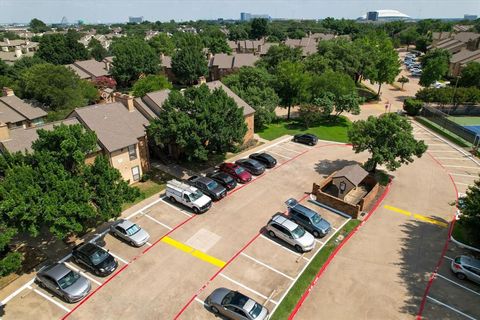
(188, 255)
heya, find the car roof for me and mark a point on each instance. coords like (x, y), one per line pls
(88, 248)
(228, 164)
(56, 271)
(304, 210)
(125, 224)
(219, 174)
(287, 223)
(470, 261)
(203, 179)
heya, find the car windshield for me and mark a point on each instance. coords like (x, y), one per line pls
(132, 230)
(239, 170)
(255, 310)
(98, 256)
(298, 232)
(212, 185)
(196, 195)
(316, 219)
(68, 280)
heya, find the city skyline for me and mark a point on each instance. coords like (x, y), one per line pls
(109, 11)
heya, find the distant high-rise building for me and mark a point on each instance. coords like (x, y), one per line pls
(135, 19)
(384, 16)
(470, 17)
(245, 16)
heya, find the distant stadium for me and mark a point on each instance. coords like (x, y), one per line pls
(384, 15)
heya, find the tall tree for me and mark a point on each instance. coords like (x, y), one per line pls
(188, 64)
(470, 210)
(435, 66)
(277, 54)
(258, 28)
(408, 36)
(97, 51)
(38, 26)
(61, 49)
(470, 75)
(162, 43)
(389, 140)
(149, 84)
(133, 57)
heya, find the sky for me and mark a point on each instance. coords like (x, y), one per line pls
(104, 11)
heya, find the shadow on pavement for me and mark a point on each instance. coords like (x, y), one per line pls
(327, 167)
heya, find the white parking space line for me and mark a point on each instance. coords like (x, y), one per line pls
(58, 304)
(448, 158)
(158, 222)
(280, 155)
(448, 258)
(286, 249)
(146, 207)
(463, 175)
(16, 292)
(451, 308)
(318, 241)
(123, 260)
(462, 184)
(69, 265)
(453, 166)
(450, 151)
(298, 152)
(199, 301)
(247, 288)
(458, 284)
(174, 207)
(148, 243)
(266, 266)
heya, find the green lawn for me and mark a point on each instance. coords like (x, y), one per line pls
(291, 299)
(326, 130)
(444, 132)
(465, 121)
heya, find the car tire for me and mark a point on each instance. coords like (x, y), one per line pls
(195, 210)
(97, 273)
(272, 234)
(133, 244)
(310, 143)
(172, 199)
(316, 234)
(75, 259)
(214, 310)
(298, 248)
(461, 276)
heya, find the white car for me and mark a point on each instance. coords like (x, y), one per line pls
(285, 229)
(130, 232)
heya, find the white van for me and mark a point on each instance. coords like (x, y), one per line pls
(187, 195)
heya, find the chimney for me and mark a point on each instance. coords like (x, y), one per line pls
(126, 100)
(4, 132)
(162, 56)
(6, 40)
(209, 56)
(18, 52)
(202, 80)
(7, 92)
(107, 65)
(259, 48)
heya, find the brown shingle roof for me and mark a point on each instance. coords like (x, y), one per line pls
(25, 109)
(353, 173)
(154, 100)
(465, 56)
(466, 36)
(247, 109)
(115, 126)
(79, 72)
(222, 61)
(8, 115)
(244, 60)
(92, 67)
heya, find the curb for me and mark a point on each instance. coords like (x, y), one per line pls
(463, 245)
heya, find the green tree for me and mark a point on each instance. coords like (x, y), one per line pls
(38, 26)
(435, 66)
(337, 83)
(97, 51)
(347, 103)
(258, 28)
(389, 140)
(291, 84)
(198, 123)
(56, 86)
(412, 106)
(320, 108)
(132, 58)
(188, 64)
(470, 209)
(470, 75)
(61, 49)
(149, 84)
(408, 36)
(238, 32)
(162, 43)
(277, 54)
(403, 80)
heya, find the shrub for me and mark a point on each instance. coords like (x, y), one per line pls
(10, 263)
(412, 106)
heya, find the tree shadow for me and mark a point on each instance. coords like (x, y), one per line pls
(327, 167)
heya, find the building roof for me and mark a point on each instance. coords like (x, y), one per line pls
(222, 61)
(144, 109)
(115, 126)
(11, 56)
(26, 110)
(247, 109)
(388, 13)
(466, 36)
(441, 35)
(79, 72)
(353, 173)
(166, 62)
(465, 56)
(158, 97)
(244, 60)
(92, 67)
(21, 139)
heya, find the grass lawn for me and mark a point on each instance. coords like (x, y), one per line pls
(291, 299)
(465, 121)
(326, 130)
(460, 234)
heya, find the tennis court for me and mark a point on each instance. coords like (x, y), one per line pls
(470, 123)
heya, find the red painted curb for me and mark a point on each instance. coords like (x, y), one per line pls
(334, 253)
(444, 250)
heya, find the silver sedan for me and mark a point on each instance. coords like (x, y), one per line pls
(130, 232)
(234, 305)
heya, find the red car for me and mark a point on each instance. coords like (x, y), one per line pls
(237, 172)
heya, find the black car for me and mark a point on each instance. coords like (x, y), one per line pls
(306, 138)
(265, 159)
(253, 166)
(223, 178)
(95, 258)
(209, 187)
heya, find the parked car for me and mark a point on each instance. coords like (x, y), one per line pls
(129, 232)
(223, 178)
(308, 219)
(188, 195)
(238, 173)
(417, 73)
(209, 187)
(65, 283)
(306, 138)
(465, 267)
(285, 229)
(235, 305)
(253, 166)
(266, 159)
(95, 258)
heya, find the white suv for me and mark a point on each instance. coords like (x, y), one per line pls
(284, 229)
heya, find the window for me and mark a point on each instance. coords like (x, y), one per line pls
(132, 152)
(343, 186)
(136, 173)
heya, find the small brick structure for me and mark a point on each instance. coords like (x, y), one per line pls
(320, 191)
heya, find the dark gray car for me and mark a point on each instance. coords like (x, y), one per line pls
(66, 283)
(308, 219)
(253, 166)
(234, 305)
(209, 187)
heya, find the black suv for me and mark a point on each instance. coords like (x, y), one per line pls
(223, 178)
(265, 159)
(95, 258)
(252, 166)
(209, 187)
(306, 138)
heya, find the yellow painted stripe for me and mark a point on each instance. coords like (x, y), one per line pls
(430, 220)
(407, 213)
(178, 245)
(196, 253)
(205, 257)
